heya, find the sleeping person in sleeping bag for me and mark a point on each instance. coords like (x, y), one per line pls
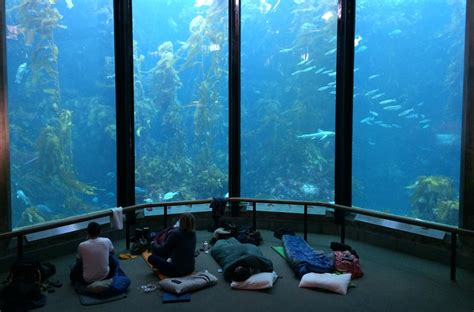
(239, 261)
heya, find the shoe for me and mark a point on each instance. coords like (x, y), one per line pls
(126, 256)
(55, 283)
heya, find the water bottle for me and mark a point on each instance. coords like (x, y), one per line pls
(205, 246)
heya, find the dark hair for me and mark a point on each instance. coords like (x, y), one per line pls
(240, 273)
(186, 222)
(93, 229)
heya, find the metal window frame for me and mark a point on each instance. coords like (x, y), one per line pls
(5, 200)
(466, 195)
(124, 97)
(345, 63)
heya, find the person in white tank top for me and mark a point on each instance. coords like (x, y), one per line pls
(94, 257)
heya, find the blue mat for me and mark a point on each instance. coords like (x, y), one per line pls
(171, 298)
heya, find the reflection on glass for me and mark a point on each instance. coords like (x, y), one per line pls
(180, 70)
(288, 99)
(407, 107)
(61, 108)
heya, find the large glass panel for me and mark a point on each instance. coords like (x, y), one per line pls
(61, 108)
(288, 99)
(181, 128)
(407, 107)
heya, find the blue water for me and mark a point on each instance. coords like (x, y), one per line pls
(410, 53)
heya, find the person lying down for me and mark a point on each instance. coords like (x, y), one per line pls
(239, 261)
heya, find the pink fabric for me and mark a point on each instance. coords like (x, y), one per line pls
(348, 263)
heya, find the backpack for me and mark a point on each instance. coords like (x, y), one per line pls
(347, 262)
(24, 284)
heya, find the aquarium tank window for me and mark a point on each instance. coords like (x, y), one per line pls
(408, 83)
(180, 57)
(288, 99)
(61, 108)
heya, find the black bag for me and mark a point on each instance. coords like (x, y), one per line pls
(139, 247)
(47, 270)
(24, 284)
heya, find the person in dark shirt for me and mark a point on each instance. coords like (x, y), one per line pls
(176, 256)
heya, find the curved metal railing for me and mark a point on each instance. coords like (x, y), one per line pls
(454, 231)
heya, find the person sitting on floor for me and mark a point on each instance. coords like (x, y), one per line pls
(95, 259)
(176, 256)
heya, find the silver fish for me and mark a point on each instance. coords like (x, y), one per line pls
(387, 101)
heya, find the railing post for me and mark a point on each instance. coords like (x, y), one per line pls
(453, 256)
(254, 215)
(343, 230)
(165, 216)
(127, 232)
(305, 222)
(19, 248)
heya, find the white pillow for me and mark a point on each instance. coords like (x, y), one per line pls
(257, 281)
(98, 287)
(195, 281)
(333, 282)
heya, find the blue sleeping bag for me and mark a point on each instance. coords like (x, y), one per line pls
(303, 259)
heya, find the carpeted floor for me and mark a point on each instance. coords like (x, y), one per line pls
(392, 282)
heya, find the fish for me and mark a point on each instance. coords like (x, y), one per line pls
(44, 209)
(303, 70)
(327, 16)
(392, 107)
(384, 125)
(357, 39)
(372, 92)
(170, 195)
(286, 50)
(424, 121)
(320, 70)
(447, 139)
(200, 3)
(148, 200)
(374, 76)
(396, 126)
(327, 71)
(360, 49)
(387, 101)
(425, 126)
(20, 72)
(332, 74)
(69, 4)
(321, 135)
(22, 196)
(378, 96)
(373, 113)
(304, 61)
(139, 131)
(330, 51)
(411, 116)
(324, 88)
(139, 190)
(406, 112)
(395, 32)
(367, 120)
(13, 31)
(50, 91)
